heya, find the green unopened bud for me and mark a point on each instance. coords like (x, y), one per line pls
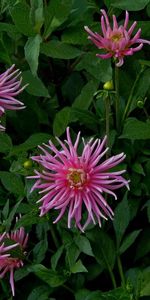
(108, 85)
(140, 104)
(28, 164)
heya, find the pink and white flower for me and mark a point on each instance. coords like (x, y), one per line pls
(10, 82)
(71, 182)
(12, 253)
(117, 40)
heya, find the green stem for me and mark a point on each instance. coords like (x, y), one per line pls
(112, 278)
(146, 113)
(129, 102)
(107, 111)
(55, 239)
(68, 289)
(117, 103)
(121, 270)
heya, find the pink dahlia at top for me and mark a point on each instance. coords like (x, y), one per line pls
(69, 181)
(12, 253)
(116, 41)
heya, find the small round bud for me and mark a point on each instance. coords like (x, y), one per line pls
(27, 164)
(140, 104)
(108, 85)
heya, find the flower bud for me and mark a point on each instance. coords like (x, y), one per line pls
(140, 104)
(28, 164)
(108, 85)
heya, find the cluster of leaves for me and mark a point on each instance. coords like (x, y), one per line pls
(47, 41)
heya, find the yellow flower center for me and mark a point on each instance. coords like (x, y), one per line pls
(116, 37)
(76, 178)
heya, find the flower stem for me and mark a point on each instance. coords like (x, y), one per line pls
(129, 102)
(53, 233)
(117, 103)
(121, 271)
(107, 111)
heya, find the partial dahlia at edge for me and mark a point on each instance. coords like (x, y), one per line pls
(116, 41)
(10, 87)
(69, 181)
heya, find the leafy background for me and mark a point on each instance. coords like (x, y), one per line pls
(47, 41)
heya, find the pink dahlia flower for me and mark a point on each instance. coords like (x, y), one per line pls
(117, 41)
(12, 253)
(9, 89)
(70, 181)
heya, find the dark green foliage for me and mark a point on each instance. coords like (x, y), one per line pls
(47, 42)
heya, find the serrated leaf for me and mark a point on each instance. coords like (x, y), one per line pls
(130, 5)
(136, 130)
(55, 258)
(78, 267)
(129, 240)
(20, 14)
(57, 49)
(32, 49)
(121, 219)
(51, 277)
(61, 121)
(36, 86)
(5, 143)
(39, 251)
(56, 12)
(100, 69)
(84, 100)
(104, 250)
(12, 182)
(33, 141)
(83, 244)
(41, 292)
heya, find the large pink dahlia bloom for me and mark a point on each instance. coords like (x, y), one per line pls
(12, 253)
(70, 181)
(9, 89)
(117, 41)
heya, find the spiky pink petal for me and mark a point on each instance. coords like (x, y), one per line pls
(74, 183)
(116, 41)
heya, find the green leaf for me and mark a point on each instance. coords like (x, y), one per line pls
(56, 12)
(143, 246)
(84, 100)
(130, 5)
(57, 49)
(5, 210)
(61, 121)
(4, 54)
(121, 219)
(72, 254)
(36, 86)
(51, 277)
(36, 14)
(78, 267)
(100, 69)
(10, 29)
(30, 218)
(103, 248)
(5, 143)
(83, 244)
(33, 141)
(21, 16)
(145, 283)
(41, 292)
(129, 240)
(85, 117)
(32, 49)
(12, 182)
(39, 251)
(137, 167)
(55, 257)
(10, 218)
(136, 130)
(75, 35)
